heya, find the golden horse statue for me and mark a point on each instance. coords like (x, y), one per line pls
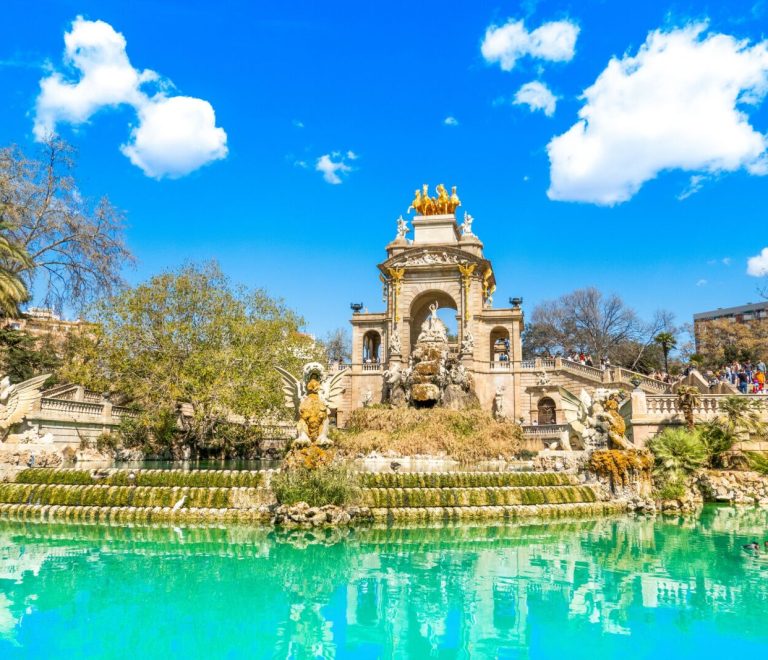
(444, 203)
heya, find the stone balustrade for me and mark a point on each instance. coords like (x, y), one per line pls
(500, 366)
(545, 430)
(73, 407)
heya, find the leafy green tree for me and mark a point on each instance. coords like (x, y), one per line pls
(13, 257)
(189, 338)
(668, 342)
(23, 355)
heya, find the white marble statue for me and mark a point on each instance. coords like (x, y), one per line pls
(543, 379)
(394, 342)
(467, 343)
(498, 403)
(466, 226)
(402, 227)
(433, 329)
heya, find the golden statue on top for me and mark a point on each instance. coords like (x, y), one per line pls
(443, 204)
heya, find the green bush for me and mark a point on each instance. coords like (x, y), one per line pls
(678, 450)
(758, 461)
(333, 484)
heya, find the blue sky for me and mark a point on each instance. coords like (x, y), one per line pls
(666, 214)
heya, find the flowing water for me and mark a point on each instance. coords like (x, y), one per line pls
(610, 588)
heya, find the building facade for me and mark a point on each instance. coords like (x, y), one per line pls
(444, 266)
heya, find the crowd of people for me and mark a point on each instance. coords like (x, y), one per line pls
(747, 377)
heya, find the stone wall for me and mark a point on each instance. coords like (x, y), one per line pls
(734, 487)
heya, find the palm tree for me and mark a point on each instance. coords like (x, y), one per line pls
(667, 342)
(739, 415)
(13, 291)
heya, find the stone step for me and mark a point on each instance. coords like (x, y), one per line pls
(133, 496)
(476, 497)
(464, 479)
(127, 477)
(130, 514)
(450, 514)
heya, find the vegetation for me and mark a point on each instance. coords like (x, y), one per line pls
(620, 465)
(189, 342)
(312, 475)
(13, 290)
(463, 479)
(467, 435)
(23, 355)
(598, 324)
(169, 478)
(75, 249)
(722, 342)
(338, 346)
(677, 453)
(667, 341)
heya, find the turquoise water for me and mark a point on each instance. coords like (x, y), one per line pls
(623, 587)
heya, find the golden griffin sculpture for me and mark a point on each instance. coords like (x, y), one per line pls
(443, 204)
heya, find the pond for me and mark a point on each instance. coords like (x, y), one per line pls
(614, 587)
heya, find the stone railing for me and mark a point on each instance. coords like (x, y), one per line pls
(72, 407)
(500, 366)
(622, 375)
(666, 405)
(544, 430)
(371, 366)
(592, 373)
(121, 411)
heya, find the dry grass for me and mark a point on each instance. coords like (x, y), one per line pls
(467, 435)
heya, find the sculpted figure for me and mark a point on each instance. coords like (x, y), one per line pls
(443, 200)
(456, 202)
(466, 226)
(417, 204)
(16, 401)
(312, 399)
(402, 227)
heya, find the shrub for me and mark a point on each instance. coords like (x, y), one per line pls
(758, 461)
(619, 464)
(716, 440)
(310, 476)
(465, 435)
(678, 450)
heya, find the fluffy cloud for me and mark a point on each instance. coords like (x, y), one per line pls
(505, 44)
(757, 266)
(333, 165)
(678, 104)
(174, 136)
(536, 96)
(451, 121)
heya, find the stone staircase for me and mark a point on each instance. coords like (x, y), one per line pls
(447, 496)
(128, 496)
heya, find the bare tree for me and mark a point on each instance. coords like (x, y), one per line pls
(338, 345)
(76, 248)
(585, 320)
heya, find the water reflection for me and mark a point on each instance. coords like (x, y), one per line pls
(635, 587)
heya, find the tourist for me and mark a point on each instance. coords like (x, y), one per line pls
(743, 381)
(589, 361)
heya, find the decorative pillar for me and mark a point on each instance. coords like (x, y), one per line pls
(394, 287)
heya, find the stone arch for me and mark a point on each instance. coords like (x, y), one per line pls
(419, 308)
(500, 345)
(547, 411)
(371, 347)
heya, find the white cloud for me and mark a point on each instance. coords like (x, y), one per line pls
(175, 135)
(695, 183)
(701, 282)
(298, 124)
(451, 121)
(332, 169)
(757, 266)
(726, 261)
(505, 44)
(537, 96)
(678, 104)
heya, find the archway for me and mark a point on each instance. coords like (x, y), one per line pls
(447, 312)
(500, 345)
(547, 412)
(371, 347)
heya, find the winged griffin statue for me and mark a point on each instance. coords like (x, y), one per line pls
(312, 398)
(16, 401)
